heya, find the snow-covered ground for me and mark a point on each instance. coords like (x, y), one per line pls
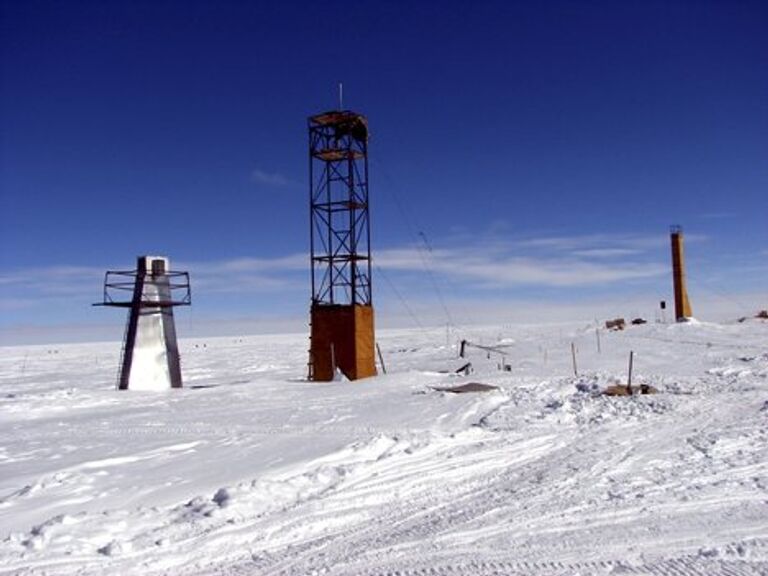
(252, 470)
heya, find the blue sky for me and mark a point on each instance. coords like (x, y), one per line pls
(527, 158)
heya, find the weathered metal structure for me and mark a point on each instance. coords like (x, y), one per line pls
(682, 304)
(341, 315)
(150, 355)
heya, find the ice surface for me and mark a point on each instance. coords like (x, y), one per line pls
(251, 470)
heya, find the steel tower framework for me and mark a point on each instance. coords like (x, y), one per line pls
(340, 230)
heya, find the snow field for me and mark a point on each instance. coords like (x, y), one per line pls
(251, 470)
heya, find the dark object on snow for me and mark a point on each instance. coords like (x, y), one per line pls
(622, 390)
(466, 369)
(618, 390)
(763, 314)
(464, 388)
(639, 321)
(615, 324)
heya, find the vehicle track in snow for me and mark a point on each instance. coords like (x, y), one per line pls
(494, 491)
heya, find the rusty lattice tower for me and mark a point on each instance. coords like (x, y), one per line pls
(342, 320)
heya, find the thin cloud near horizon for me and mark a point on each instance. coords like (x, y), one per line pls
(553, 262)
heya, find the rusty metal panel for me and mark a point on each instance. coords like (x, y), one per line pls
(342, 338)
(365, 345)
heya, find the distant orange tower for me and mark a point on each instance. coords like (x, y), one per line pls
(341, 315)
(682, 304)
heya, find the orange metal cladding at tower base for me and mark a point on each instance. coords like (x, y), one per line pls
(342, 337)
(682, 304)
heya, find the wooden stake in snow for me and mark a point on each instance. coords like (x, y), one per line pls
(573, 354)
(597, 333)
(629, 378)
(381, 358)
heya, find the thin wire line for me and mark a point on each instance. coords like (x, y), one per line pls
(400, 297)
(420, 241)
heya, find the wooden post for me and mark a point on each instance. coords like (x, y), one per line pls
(597, 333)
(573, 354)
(381, 358)
(629, 379)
